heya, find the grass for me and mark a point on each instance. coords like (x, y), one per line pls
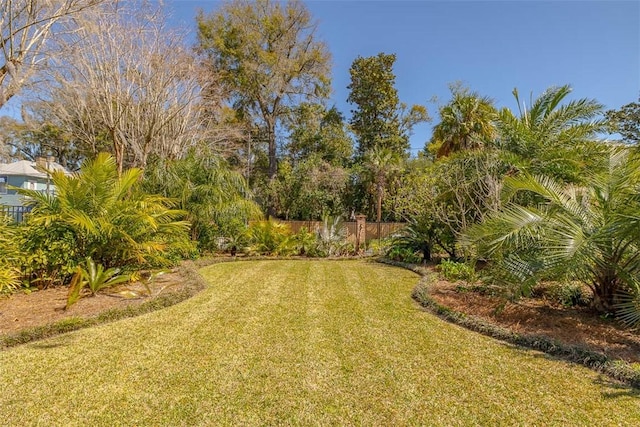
(299, 343)
(614, 368)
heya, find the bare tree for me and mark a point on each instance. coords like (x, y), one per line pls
(27, 28)
(131, 80)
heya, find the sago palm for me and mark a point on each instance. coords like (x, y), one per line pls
(114, 222)
(585, 233)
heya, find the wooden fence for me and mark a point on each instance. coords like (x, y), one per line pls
(385, 229)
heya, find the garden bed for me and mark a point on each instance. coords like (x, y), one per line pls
(578, 326)
(40, 314)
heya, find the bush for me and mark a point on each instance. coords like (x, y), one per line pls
(95, 277)
(379, 246)
(332, 238)
(270, 238)
(565, 294)
(9, 275)
(454, 271)
(101, 214)
(48, 255)
(405, 255)
(305, 242)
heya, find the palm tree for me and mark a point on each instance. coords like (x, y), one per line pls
(381, 163)
(212, 194)
(586, 233)
(550, 138)
(112, 220)
(466, 123)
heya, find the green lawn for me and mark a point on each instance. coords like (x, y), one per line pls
(298, 343)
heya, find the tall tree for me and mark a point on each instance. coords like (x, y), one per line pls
(467, 122)
(132, 79)
(626, 122)
(380, 120)
(268, 58)
(317, 131)
(381, 163)
(27, 27)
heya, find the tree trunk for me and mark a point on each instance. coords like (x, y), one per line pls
(605, 295)
(271, 136)
(426, 253)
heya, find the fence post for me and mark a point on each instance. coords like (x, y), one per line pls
(361, 231)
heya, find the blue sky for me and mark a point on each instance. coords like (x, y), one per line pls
(491, 46)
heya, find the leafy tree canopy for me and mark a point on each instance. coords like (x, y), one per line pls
(379, 119)
(626, 122)
(268, 59)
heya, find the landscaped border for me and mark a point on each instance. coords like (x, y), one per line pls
(614, 368)
(188, 270)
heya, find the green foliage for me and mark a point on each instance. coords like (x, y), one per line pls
(217, 199)
(9, 253)
(553, 139)
(105, 216)
(380, 120)
(584, 233)
(48, 255)
(316, 131)
(268, 59)
(626, 122)
(305, 242)
(467, 122)
(75, 287)
(566, 294)
(405, 255)
(441, 199)
(628, 307)
(94, 277)
(9, 279)
(270, 238)
(97, 278)
(309, 189)
(418, 236)
(455, 271)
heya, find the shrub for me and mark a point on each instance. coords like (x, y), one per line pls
(565, 294)
(332, 237)
(95, 277)
(270, 238)
(454, 271)
(103, 215)
(48, 255)
(9, 275)
(305, 242)
(405, 255)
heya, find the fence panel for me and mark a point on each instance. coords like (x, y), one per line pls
(373, 229)
(16, 213)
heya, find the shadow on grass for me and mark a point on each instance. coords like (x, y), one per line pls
(617, 389)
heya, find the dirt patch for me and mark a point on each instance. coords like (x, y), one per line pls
(22, 311)
(576, 325)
